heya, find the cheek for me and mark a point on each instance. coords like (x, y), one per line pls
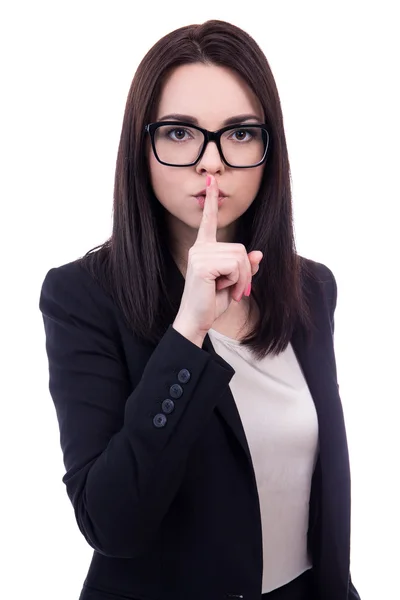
(251, 182)
(167, 183)
(157, 174)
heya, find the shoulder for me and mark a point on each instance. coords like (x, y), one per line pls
(71, 273)
(70, 291)
(70, 280)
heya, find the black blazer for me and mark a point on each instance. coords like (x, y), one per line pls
(169, 504)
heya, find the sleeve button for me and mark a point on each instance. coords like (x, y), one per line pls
(160, 420)
(183, 376)
(168, 406)
(176, 390)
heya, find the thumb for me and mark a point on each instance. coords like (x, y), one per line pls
(255, 257)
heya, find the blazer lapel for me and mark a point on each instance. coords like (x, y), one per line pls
(309, 361)
(227, 408)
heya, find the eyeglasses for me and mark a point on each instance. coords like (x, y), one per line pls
(183, 144)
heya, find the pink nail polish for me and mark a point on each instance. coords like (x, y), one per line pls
(248, 290)
(208, 180)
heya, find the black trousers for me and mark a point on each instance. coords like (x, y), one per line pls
(300, 588)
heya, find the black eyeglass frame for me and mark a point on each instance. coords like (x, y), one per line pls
(209, 136)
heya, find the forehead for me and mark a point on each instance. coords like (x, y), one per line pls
(208, 92)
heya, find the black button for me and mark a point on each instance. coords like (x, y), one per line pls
(168, 406)
(183, 376)
(160, 420)
(176, 390)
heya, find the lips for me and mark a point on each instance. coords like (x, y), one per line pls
(202, 201)
(203, 196)
(203, 193)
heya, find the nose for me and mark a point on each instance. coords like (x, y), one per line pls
(211, 161)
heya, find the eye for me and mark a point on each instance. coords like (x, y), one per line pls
(180, 135)
(241, 132)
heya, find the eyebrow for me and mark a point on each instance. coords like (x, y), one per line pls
(189, 119)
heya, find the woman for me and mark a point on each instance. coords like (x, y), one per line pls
(191, 356)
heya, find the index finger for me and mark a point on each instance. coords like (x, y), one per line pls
(208, 226)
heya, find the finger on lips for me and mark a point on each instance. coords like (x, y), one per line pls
(208, 226)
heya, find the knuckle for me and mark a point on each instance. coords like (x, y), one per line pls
(244, 261)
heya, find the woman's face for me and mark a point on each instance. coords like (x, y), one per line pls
(210, 94)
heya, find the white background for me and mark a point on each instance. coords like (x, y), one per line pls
(66, 71)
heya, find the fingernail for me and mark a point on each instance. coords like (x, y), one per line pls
(248, 290)
(208, 180)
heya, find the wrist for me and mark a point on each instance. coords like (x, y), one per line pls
(194, 336)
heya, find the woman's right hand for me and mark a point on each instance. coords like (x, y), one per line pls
(216, 274)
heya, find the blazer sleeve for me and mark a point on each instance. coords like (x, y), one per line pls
(122, 471)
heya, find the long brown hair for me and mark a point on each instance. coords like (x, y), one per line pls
(131, 265)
